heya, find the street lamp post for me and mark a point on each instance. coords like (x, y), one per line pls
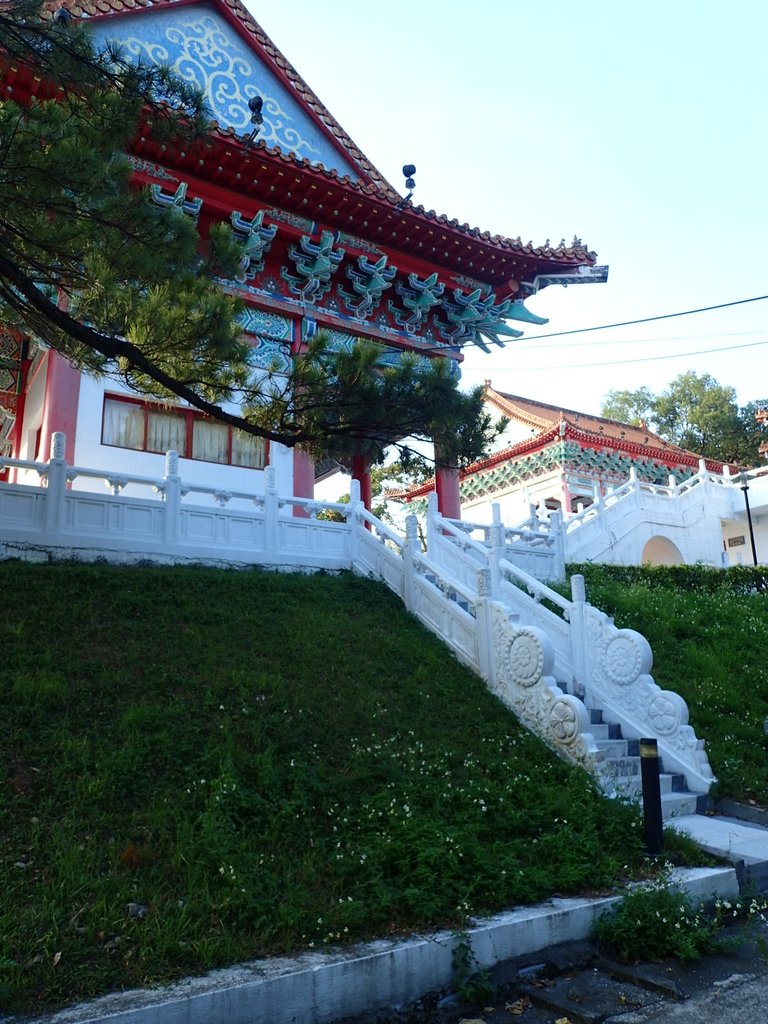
(745, 488)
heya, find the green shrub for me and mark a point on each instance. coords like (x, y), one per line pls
(657, 921)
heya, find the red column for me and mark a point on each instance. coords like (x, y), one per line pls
(303, 464)
(448, 492)
(303, 478)
(361, 472)
(62, 394)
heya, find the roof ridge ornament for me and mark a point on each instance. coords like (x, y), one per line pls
(255, 105)
(408, 172)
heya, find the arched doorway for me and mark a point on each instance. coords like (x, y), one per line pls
(661, 551)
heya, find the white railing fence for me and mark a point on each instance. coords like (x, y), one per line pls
(673, 502)
(549, 658)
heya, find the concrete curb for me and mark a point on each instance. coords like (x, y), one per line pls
(322, 987)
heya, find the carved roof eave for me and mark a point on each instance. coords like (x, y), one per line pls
(533, 260)
(266, 176)
(670, 456)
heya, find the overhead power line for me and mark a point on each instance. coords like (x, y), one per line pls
(647, 319)
(646, 340)
(640, 359)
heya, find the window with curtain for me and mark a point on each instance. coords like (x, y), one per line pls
(166, 431)
(123, 424)
(210, 441)
(248, 450)
(131, 423)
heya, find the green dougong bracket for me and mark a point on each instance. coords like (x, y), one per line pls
(191, 207)
(257, 239)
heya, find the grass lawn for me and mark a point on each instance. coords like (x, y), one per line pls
(205, 767)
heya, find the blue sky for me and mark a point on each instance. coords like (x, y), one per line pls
(641, 128)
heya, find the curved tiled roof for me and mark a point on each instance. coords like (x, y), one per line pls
(543, 416)
(373, 183)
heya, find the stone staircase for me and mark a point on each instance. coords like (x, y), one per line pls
(620, 772)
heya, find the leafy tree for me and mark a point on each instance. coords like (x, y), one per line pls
(699, 414)
(696, 413)
(633, 407)
(122, 286)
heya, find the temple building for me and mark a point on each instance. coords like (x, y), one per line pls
(560, 459)
(330, 243)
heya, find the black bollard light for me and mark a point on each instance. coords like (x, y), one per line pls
(649, 773)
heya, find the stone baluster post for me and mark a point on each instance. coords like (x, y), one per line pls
(579, 640)
(433, 540)
(172, 496)
(598, 504)
(411, 549)
(484, 627)
(57, 484)
(355, 521)
(557, 531)
(498, 544)
(271, 512)
(355, 496)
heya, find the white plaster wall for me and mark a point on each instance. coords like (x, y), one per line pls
(515, 502)
(92, 454)
(742, 554)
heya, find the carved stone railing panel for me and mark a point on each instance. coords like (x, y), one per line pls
(522, 662)
(619, 663)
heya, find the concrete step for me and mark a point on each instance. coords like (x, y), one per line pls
(613, 748)
(743, 843)
(621, 770)
(678, 805)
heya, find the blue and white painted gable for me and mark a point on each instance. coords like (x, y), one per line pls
(204, 50)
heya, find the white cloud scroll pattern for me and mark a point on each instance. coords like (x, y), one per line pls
(199, 45)
(204, 57)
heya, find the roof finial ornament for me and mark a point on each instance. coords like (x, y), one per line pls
(408, 171)
(255, 104)
(62, 16)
